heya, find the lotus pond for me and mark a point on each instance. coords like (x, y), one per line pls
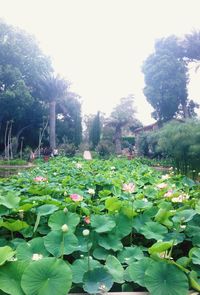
(94, 226)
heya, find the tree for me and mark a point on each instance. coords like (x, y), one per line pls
(21, 65)
(53, 89)
(95, 131)
(166, 81)
(122, 115)
(191, 46)
(69, 126)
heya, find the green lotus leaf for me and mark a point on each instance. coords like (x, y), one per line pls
(140, 220)
(160, 247)
(163, 217)
(115, 269)
(46, 209)
(59, 218)
(81, 266)
(153, 230)
(10, 277)
(113, 204)
(6, 253)
(14, 225)
(84, 243)
(47, 276)
(140, 204)
(162, 278)
(102, 223)
(59, 243)
(101, 253)
(193, 226)
(130, 254)
(10, 200)
(97, 280)
(3, 210)
(194, 254)
(123, 225)
(184, 216)
(110, 242)
(137, 269)
(176, 237)
(25, 251)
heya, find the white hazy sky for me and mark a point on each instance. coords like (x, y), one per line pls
(100, 45)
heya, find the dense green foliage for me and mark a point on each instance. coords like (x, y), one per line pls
(179, 141)
(166, 81)
(166, 77)
(28, 90)
(74, 226)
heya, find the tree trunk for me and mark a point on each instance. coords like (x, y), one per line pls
(118, 136)
(52, 113)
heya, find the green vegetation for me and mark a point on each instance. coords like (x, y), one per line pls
(178, 141)
(98, 225)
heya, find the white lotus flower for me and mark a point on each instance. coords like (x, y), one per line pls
(37, 256)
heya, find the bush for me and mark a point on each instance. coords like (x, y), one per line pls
(67, 149)
(105, 149)
(181, 142)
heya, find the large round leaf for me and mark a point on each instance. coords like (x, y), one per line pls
(46, 209)
(59, 218)
(14, 225)
(47, 276)
(153, 230)
(123, 225)
(160, 247)
(194, 254)
(25, 251)
(59, 243)
(130, 254)
(97, 280)
(101, 253)
(110, 242)
(115, 269)
(10, 277)
(137, 270)
(81, 266)
(10, 200)
(6, 253)
(102, 223)
(162, 278)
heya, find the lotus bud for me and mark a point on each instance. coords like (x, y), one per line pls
(65, 210)
(86, 232)
(65, 228)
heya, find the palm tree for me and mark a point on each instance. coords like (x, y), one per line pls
(53, 89)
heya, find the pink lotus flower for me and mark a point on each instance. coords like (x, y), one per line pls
(169, 193)
(76, 197)
(39, 179)
(128, 187)
(161, 185)
(180, 198)
(87, 219)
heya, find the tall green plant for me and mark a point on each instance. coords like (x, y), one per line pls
(181, 141)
